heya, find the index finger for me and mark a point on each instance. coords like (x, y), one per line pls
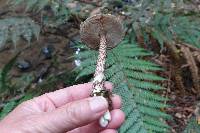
(72, 93)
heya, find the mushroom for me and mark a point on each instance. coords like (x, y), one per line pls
(101, 32)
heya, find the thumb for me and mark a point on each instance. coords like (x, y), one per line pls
(75, 114)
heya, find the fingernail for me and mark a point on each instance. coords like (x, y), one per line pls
(98, 104)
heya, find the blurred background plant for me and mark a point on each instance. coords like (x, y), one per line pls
(155, 68)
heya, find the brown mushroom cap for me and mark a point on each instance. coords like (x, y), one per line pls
(109, 25)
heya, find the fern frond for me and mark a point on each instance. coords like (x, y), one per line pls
(144, 85)
(155, 128)
(114, 69)
(153, 112)
(153, 121)
(143, 76)
(169, 27)
(138, 64)
(134, 79)
(149, 95)
(133, 123)
(15, 28)
(151, 103)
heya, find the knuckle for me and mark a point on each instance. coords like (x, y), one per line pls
(77, 112)
(73, 114)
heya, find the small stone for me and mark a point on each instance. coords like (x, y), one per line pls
(23, 65)
(48, 51)
(40, 80)
(178, 115)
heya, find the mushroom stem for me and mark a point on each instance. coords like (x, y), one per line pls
(98, 83)
(100, 67)
(102, 56)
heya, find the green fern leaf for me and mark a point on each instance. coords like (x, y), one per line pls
(134, 79)
(144, 85)
(167, 27)
(149, 95)
(133, 123)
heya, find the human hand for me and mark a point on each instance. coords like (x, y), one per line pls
(68, 110)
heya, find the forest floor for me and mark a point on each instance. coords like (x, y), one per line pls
(183, 96)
